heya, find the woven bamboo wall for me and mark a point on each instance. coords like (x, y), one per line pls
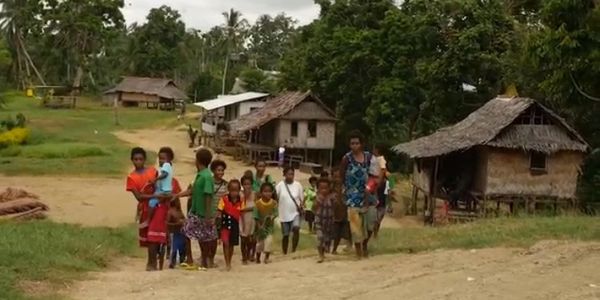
(421, 179)
(324, 140)
(509, 173)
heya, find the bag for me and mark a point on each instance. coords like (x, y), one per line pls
(300, 210)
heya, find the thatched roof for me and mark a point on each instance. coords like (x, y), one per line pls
(280, 106)
(165, 88)
(489, 125)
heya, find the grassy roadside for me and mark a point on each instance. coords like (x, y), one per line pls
(54, 253)
(73, 141)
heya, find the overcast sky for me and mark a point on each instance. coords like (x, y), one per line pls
(204, 14)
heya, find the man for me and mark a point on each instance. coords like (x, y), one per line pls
(291, 198)
(361, 204)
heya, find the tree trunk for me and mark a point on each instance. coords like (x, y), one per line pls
(225, 74)
(77, 80)
(22, 46)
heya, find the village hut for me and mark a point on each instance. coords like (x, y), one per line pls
(154, 92)
(298, 121)
(511, 150)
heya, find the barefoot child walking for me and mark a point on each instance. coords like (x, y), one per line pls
(228, 216)
(310, 194)
(265, 210)
(247, 223)
(324, 217)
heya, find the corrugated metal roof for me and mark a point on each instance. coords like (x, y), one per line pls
(226, 100)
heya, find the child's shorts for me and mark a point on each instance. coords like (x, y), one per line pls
(153, 202)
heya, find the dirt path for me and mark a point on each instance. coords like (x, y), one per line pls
(550, 270)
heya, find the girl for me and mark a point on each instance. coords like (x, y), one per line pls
(137, 184)
(228, 216)
(220, 189)
(265, 210)
(324, 217)
(247, 224)
(259, 176)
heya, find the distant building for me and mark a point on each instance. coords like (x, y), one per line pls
(511, 150)
(154, 92)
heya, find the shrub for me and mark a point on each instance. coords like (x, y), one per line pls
(15, 136)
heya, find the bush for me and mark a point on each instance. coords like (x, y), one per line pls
(10, 151)
(15, 136)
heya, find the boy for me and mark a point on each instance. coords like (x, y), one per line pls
(309, 200)
(175, 222)
(163, 182)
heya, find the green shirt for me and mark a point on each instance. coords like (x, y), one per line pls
(203, 187)
(256, 183)
(309, 198)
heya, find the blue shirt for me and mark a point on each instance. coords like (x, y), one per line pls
(165, 185)
(356, 179)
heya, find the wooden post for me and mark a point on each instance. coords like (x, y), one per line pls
(330, 159)
(432, 189)
(413, 200)
(116, 109)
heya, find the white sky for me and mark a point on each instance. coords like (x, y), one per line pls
(204, 14)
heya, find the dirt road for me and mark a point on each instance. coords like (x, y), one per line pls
(550, 270)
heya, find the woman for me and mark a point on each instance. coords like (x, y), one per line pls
(137, 184)
(259, 176)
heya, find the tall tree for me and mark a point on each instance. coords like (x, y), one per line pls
(268, 39)
(84, 29)
(235, 30)
(153, 46)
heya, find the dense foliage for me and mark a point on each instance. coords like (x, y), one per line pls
(395, 70)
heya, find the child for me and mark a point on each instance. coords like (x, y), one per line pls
(309, 200)
(324, 217)
(220, 189)
(200, 223)
(228, 216)
(163, 182)
(265, 210)
(175, 222)
(259, 176)
(247, 224)
(340, 213)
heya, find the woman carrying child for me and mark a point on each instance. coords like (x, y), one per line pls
(324, 217)
(265, 211)
(248, 224)
(228, 217)
(137, 184)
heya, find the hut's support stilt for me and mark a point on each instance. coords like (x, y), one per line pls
(413, 201)
(330, 159)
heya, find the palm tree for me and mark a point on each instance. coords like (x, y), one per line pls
(15, 19)
(235, 29)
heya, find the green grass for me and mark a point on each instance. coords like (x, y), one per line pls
(73, 141)
(506, 232)
(55, 253)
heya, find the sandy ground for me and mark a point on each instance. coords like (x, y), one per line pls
(549, 270)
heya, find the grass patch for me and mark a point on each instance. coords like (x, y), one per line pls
(505, 232)
(56, 253)
(74, 141)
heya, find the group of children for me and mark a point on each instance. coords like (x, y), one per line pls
(239, 210)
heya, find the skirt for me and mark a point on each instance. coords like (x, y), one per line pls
(200, 229)
(230, 236)
(248, 224)
(157, 228)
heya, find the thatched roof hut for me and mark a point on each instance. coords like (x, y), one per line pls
(134, 90)
(509, 148)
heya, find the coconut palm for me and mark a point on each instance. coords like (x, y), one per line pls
(235, 29)
(16, 18)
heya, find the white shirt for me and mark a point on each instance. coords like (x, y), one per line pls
(281, 150)
(287, 208)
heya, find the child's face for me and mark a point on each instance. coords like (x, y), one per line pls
(247, 184)
(163, 158)
(313, 183)
(219, 172)
(266, 193)
(260, 167)
(234, 190)
(138, 161)
(324, 188)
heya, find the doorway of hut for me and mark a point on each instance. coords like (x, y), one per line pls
(457, 180)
